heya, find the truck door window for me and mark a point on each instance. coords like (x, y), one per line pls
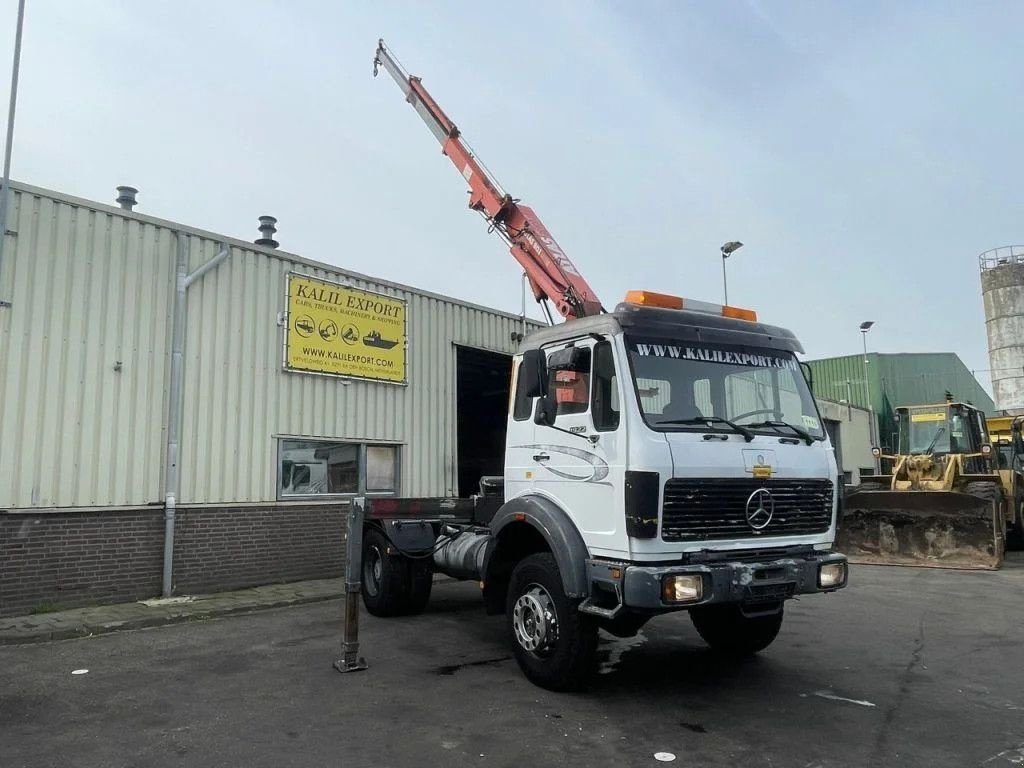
(605, 396)
(571, 389)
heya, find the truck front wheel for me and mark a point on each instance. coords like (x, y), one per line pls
(554, 644)
(727, 630)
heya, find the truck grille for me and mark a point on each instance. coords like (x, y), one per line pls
(703, 510)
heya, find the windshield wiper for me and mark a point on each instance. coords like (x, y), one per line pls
(747, 434)
(800, 431)
(935, 440)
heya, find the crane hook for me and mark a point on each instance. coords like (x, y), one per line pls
(376, 56)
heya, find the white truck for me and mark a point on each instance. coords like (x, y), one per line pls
(666, 455)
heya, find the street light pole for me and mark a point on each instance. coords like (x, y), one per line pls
(872, 426)
(5, 192)
(727, 250)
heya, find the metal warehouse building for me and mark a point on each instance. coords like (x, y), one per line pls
(299, 386)
(889, 381)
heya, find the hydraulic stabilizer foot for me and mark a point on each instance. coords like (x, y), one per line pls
(350, 660)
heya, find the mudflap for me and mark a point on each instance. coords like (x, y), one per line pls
(937, 529)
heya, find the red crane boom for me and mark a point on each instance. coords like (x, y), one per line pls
(552, 275)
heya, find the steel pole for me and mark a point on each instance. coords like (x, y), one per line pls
(5, 190)
(872, 425)
(350, 660)
(867, 389)
(171, 474)
(175, 388)
(725, 282)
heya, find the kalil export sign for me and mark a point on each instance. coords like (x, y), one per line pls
(341, 331)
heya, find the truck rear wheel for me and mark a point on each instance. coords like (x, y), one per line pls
(727, 630)
(385, 576)
(554, 644)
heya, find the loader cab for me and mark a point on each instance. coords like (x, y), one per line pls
(1007, 442)
(946, 429)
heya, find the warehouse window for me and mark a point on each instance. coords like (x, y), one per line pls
(324, 467)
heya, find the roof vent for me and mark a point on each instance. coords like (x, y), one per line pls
(267, 229)
(126, 197)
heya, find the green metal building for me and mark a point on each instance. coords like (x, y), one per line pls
(887, 382)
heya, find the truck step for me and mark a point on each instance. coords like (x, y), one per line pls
(587, 606)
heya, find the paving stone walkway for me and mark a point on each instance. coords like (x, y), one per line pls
(83, 622)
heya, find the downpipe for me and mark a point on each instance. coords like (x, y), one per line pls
(172, 476)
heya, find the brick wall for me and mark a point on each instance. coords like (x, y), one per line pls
(234, 547)
(70, 559)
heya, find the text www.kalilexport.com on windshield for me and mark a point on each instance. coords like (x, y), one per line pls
(346, 357)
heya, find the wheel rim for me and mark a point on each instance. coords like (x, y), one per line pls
(534, 620)
(373, 569)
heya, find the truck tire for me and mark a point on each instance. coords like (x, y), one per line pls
(553, 643)
(727, 630)
(420, 582)
(385, 577)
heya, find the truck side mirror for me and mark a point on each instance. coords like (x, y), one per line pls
(547, 410)
(533, 371)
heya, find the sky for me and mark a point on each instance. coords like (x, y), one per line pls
(864, 153)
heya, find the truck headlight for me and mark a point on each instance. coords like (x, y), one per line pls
(831, 575)
(682, 589)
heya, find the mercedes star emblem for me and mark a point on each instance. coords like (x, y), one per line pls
(760, 508)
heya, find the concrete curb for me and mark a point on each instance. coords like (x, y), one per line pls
(119, 617)
(199, 613)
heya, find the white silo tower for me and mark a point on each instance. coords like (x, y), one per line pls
(1002, 289)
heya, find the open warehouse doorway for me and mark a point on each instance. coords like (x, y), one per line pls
(482, 380)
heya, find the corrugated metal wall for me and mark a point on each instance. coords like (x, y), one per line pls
(842, 378)
(88, 289)
(895, 380)
(898, 379)
(910, 379)
(92, 285)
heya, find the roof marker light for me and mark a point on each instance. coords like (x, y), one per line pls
(739, 313)
(652, 299)
(667, 301)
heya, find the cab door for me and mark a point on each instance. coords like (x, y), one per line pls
(520, 468)
(579, 457)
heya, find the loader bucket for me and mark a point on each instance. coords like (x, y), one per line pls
(938, 529)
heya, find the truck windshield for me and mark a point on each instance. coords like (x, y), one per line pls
(761, 390)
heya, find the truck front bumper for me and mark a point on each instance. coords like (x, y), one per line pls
(651, 588)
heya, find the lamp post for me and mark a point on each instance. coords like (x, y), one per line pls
(727, 251)
(872, 426)
(5, 192)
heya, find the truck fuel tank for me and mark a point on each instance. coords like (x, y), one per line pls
(462, 557)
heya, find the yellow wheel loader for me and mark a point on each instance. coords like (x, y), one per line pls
(1008, 450)
(944, 503)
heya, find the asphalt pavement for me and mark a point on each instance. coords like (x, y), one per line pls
(907, 667)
